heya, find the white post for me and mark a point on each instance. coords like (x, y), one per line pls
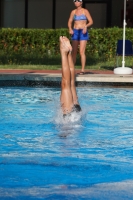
(124, 30)
(123, 69)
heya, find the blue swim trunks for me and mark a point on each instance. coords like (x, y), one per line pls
(78, 35)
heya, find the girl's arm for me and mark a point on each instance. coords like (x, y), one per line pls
(70, 21)
(90, 21)
(89, 18)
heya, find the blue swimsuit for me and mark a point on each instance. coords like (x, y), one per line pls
(78, 33)
(79, 17)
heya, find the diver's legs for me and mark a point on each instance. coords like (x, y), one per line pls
(66, 94)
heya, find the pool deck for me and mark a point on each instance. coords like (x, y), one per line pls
(91, 77)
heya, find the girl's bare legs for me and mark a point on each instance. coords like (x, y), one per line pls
(75, 45)
(82, 47)
(66, 93)
(82, 54)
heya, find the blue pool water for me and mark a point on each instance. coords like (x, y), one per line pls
(44, 157)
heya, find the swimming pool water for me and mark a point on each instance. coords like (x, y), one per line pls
(43, 157)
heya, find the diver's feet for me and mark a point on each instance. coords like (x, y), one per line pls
(65, 45)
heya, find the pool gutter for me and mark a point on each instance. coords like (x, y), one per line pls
(54, 79)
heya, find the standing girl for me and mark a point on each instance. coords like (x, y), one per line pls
(79, 20)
